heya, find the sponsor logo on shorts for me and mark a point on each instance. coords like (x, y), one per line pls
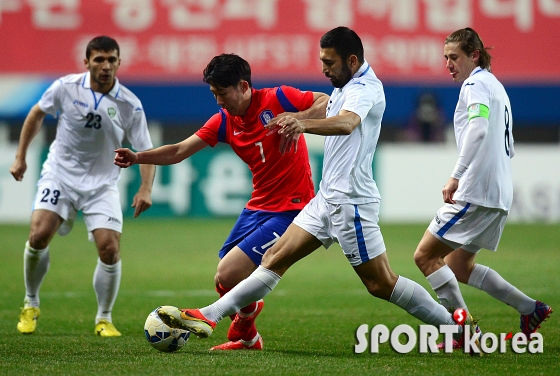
(438, 221)
(351, 256)
(255, 250)
(113, 219)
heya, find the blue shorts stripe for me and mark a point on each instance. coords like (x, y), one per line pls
(453, 220)
(360, 236)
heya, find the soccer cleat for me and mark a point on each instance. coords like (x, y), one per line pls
(105, 328)
(530, 323)
(187, 319)
(468, 324)
(460, 344)
(456, 345)
(239, 345)
(28, 319)
(240, 326)
(472, 325)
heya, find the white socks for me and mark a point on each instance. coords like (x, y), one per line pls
(445, 284)
(414, 299)
(106, 282)
(251, 289)
(36, 264)
(486, 279)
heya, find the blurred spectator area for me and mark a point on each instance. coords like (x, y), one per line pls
(182, 109)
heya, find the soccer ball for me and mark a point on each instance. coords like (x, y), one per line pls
(161, 336)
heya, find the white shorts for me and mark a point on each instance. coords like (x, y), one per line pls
(354, 227)
(101, 208)
(469, 226)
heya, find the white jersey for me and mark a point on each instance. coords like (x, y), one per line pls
(347, 165)
(488, 180)
(90, 127)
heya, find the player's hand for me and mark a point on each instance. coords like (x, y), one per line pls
(18, 169)
(273, 123)
(141, 202)
(449, 190)
(287, 143)
(125, 157)
(290, 126)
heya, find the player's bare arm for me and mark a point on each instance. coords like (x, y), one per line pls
(316, 111)
(31, 127)
(125, 157)
(290, 127)
(342, 124)
(164, 155)
(142, 201)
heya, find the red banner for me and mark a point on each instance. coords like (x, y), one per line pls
(175, 39)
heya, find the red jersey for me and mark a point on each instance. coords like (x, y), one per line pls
(280, 182)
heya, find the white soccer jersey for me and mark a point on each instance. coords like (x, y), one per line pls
(488, 180)
(347, 165)
(90, 127)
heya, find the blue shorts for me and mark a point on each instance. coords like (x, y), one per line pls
(256, 231)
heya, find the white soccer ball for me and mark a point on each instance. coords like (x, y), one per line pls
(161, 336)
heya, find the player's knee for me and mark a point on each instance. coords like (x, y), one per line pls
(109, 253)
(227, 278)
(421, 259)
(39, 238)
(216, 281)
(38, 243)
(228, 275)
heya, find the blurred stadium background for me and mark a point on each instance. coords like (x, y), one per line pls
(165, 44)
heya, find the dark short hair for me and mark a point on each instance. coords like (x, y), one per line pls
(227, 70)
(469, 41)
(345, 42)
(102, 43)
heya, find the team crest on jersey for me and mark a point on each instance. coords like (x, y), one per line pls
(266, 116)
(112, 112)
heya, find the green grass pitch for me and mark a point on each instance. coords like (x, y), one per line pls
(308, 323)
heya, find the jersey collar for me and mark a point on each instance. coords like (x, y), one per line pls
(86, 84)
(476, 70)
(363, 70)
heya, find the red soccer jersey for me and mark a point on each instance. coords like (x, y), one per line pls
(280, 182)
